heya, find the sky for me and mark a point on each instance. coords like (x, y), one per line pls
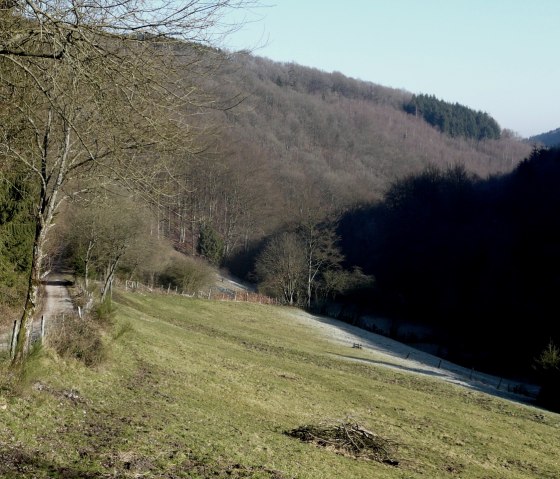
(497, 56)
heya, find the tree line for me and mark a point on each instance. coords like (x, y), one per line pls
(453, 119)
(477, 259)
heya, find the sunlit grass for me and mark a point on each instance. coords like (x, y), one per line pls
(196, 388)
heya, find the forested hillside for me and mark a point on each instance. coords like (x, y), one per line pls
(248, 164)
(475, 258)
(550, 138)
(352, 137)
(303, 138)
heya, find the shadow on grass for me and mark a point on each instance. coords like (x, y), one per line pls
(450, 377)
(18, 463)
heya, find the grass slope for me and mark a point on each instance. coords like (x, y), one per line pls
(199, 389)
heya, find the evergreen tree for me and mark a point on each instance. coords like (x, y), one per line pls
(16, 237)
(453, 119)
(210, 245)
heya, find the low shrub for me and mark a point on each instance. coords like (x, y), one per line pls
(104, 312)
(187, 275)
(548, 367)
(78, 338)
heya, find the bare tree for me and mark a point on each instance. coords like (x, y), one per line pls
(321, 252)
(83, 237)
(281, 266)
(105, 234)
(97, 91)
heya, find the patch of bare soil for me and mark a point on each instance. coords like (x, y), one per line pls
(15, 461)
(238, 471)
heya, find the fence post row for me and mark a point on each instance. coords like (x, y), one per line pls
(234, 296)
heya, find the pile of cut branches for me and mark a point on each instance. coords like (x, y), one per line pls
(348, 439)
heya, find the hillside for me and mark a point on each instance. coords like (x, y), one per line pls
(467, 255)
(549, 139)
(352, 138)
(204, 389)
(291, 137)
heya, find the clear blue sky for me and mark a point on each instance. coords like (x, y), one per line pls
(498, 56)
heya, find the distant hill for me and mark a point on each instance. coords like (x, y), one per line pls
(305, 138)
(550, 138)
(353, 138)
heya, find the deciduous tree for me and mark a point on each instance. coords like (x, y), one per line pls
(95, 91)
(281, 267)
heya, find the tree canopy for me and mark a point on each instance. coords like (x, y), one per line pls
(453, 119)
(95, 94)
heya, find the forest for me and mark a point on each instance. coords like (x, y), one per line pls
(476, 258)
(155, 159)
(453, 119)
(549, 139)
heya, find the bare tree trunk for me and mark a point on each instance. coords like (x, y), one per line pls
(26, 321)
(110, 276)
(43, 220)
(91, 244)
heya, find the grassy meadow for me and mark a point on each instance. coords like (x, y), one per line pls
(204, 389)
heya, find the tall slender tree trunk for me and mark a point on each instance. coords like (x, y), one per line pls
(110, 275)
(47, 205)
(26, 321)
(87, 259)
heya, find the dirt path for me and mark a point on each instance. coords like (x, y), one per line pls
(56, 302)
(389, 353)
(57, 299)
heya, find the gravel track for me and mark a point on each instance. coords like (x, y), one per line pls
(57, 300)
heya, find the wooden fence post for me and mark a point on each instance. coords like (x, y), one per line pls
(43, 328)
(15, 333)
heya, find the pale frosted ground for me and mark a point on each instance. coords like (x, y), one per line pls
(382, 351)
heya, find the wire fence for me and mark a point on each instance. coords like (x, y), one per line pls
(427, 364)
(42, 327)
(37, 334)
(215, 293)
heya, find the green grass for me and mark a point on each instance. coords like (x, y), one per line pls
(200, 389)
